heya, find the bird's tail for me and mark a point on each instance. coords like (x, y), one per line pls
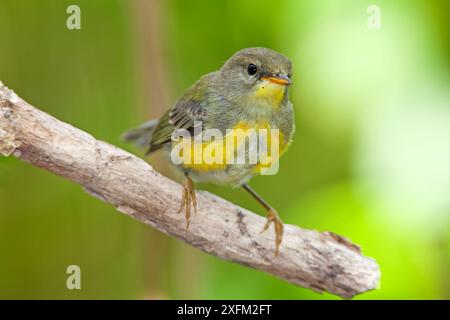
(142, 135)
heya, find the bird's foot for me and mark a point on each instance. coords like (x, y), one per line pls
(188, 197)
(272, 216)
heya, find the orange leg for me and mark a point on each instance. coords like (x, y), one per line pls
(272, 216)
(188, 197)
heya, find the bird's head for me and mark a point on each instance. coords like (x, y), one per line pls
(257, 76)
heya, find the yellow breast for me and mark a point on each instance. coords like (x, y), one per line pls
(277, 141)
(205, 156)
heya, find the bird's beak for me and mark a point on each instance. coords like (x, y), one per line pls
(278, 79)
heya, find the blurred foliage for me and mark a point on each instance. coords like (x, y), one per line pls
(369, 159)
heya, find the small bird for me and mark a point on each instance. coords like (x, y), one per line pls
(250, 91)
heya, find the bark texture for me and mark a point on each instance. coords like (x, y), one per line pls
(312, 259)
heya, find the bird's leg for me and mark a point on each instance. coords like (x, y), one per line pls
(272, 216)
(188, 197)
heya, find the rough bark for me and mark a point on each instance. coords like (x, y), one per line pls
(320, 261)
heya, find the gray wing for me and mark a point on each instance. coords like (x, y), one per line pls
(188, 110)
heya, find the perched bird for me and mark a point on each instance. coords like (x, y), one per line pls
(250, 91)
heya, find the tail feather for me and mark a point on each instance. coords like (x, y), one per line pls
(142, 135)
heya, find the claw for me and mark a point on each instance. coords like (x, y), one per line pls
(188, 197)
(192, 194)
(272, 216)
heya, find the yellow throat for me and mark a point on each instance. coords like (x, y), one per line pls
(271, 92)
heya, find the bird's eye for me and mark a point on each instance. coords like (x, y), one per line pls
(252, 69)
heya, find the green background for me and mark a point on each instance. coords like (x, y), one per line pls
(370, 158)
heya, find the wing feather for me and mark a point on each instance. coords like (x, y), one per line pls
(189, 109)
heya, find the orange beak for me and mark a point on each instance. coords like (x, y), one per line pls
(279, 79)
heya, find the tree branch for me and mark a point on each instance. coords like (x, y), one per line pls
(320, 261)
